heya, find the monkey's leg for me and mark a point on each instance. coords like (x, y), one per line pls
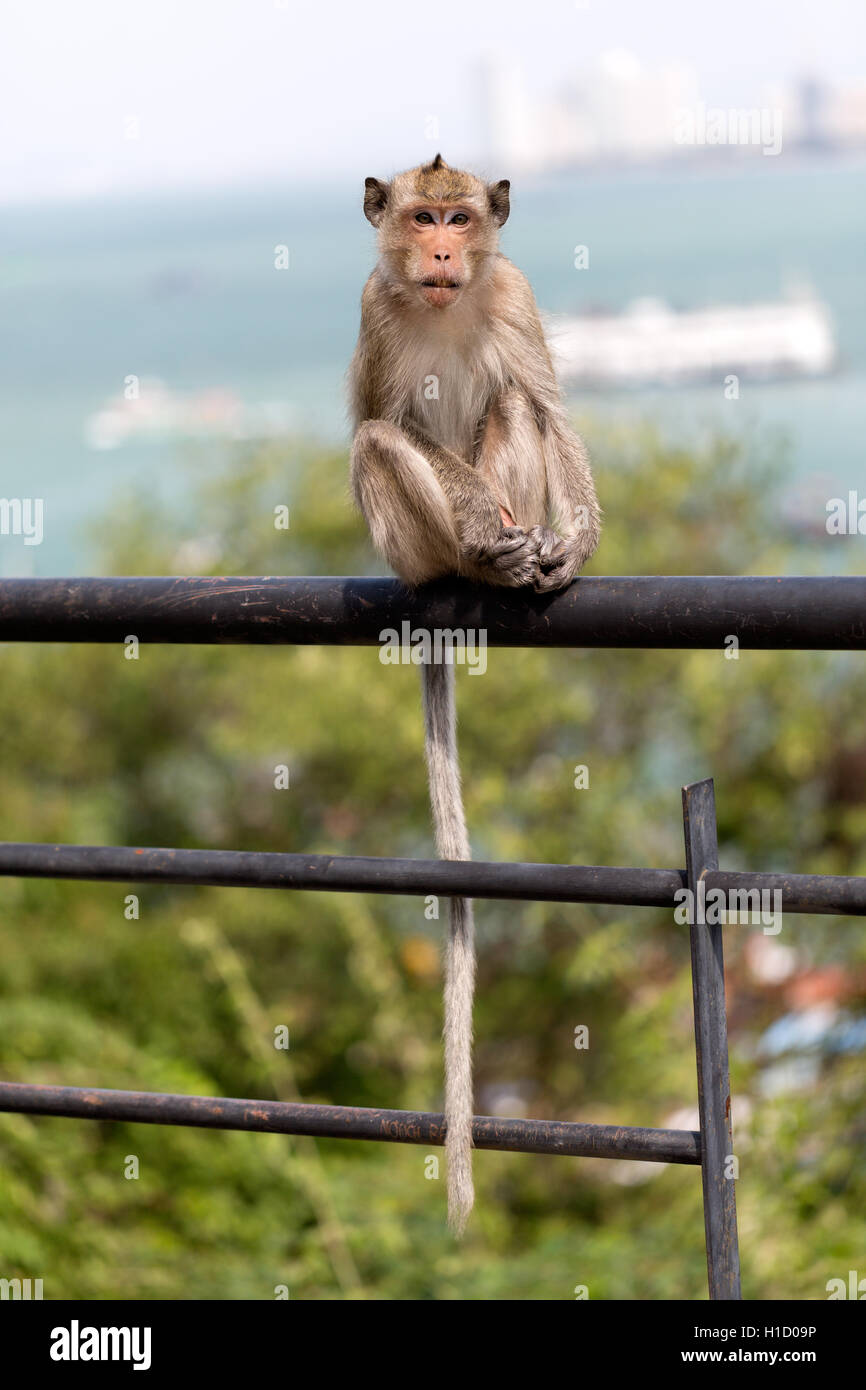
(428, 512)
(490, 551)
(409, 517)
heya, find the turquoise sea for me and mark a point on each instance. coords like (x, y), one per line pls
(184, 289)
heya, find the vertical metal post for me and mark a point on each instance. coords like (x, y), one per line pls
(711, 1046)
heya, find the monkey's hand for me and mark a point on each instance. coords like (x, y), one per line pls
(511, 560)
(559, 559)
(550, 546)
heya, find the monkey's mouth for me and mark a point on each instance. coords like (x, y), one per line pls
(439, 289)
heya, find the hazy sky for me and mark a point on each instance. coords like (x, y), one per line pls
(228, 90)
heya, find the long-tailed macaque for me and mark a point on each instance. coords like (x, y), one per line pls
(463, 463)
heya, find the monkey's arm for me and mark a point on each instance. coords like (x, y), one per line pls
(572, 511)
(538, 469)
(370, 366)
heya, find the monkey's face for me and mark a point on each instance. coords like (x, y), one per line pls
(438, 245)
(438, 230)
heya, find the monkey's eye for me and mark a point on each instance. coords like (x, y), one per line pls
(423, 217)
(459, 219)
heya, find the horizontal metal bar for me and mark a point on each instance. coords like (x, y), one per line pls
(800, 892)
(811, 613)
(343, 874)
(348, 1122)
(334, 873)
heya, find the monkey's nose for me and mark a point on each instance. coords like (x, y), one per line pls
(439, 257)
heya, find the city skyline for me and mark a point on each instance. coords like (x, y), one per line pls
(618, 109)
(125, 97)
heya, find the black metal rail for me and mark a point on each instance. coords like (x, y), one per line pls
(770, 613)
(711, 1048)
(477, 878)
(667, 611)
(350, 1122)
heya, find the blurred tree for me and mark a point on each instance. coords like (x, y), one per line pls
(180, 747)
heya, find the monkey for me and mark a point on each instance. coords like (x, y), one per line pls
(462, 463)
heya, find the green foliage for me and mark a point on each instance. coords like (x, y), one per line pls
(179, 748)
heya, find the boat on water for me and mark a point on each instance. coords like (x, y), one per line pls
(651, 343)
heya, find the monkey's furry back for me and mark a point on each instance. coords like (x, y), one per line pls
(452, 842)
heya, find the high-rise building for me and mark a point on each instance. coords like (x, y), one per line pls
(509, 124)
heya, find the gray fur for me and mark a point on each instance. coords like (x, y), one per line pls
(452, 842)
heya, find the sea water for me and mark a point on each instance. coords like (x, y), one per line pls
(186, 290)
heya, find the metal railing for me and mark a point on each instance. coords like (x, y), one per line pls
(769, 613)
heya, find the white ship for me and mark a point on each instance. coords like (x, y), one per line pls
(652, 344)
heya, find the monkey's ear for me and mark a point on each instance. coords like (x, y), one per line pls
(499, 201)
(375, 200)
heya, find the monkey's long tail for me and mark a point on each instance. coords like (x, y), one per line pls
(452, 842)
